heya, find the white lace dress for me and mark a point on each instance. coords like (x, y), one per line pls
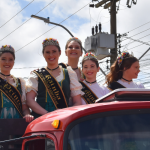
(99, 90)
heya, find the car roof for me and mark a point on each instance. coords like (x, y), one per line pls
(132, 94)
(67, 115)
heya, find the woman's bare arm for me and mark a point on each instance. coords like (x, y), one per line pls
(33, 104)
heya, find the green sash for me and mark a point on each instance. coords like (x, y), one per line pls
(12, 94)
(89, 95)
(115, 85)
(53, 88)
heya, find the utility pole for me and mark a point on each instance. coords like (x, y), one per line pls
(113, 27)
(113, 30)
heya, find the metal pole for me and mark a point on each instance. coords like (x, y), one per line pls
(113, 30)
(144, 53)
(46, 20)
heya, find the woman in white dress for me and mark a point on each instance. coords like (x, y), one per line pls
(12, 89)
(52, 86)
(123, 71)
(73, 50)
(91, 88)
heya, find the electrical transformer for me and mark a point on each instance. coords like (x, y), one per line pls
(100, 44)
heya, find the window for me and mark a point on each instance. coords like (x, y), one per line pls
(110, 131)
(40, 144)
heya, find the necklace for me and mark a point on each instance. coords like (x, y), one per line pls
(52, 69)
(73, 68)
(5, 76)
(126, 80)
(90, 82)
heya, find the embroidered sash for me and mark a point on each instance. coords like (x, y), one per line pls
(53, 88)
(89, 95)
(12, 94)
(115, 85)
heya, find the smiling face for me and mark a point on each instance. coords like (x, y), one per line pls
(90, 70)
(6, 62)
(133, 71)
(51, 55)
(73, 50)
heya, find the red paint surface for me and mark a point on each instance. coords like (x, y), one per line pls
(67, 115)
(42, 125)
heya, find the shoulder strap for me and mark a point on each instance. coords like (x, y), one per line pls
(89, 95)
(63, 65)
(115, 85)
(53, 88)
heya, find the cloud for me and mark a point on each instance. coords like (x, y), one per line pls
(79, 24)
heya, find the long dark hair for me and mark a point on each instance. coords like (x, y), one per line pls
(116, 71)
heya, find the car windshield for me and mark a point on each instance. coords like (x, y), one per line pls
(118, 132)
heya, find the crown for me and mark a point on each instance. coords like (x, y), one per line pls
(90, 55)
(75, 38)
(50, 41)
(121, 57)
(8, 48)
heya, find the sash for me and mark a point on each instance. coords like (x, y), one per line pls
(89, 95)
(115, 85)
(12, 94)
(53, 88)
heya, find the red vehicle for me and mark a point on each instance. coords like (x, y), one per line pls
(118, 121)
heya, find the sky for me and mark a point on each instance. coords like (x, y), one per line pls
(26, 34)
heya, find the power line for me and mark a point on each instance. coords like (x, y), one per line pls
(52, 28)
(135, 40)
(17, 14)
(26, 21)
(135, 46)
(137, 34)
(90, 16)
(138, 27)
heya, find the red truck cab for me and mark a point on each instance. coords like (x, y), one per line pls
(117, 121)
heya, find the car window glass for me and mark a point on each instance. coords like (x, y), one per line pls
(121, 132)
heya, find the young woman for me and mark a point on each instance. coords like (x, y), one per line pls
(12, 89)
(73, 50)
(123, 71)
(52, 85)
(91, 88)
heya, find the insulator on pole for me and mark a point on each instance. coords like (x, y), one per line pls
(100, 27)
(96, 29)
(93, 31)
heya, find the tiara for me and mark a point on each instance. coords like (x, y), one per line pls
(7, 48)
(121, 57)
(89, 55)
(50, 41)
(75, 38)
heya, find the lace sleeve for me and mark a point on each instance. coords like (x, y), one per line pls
(75, 86)
(32, 83)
